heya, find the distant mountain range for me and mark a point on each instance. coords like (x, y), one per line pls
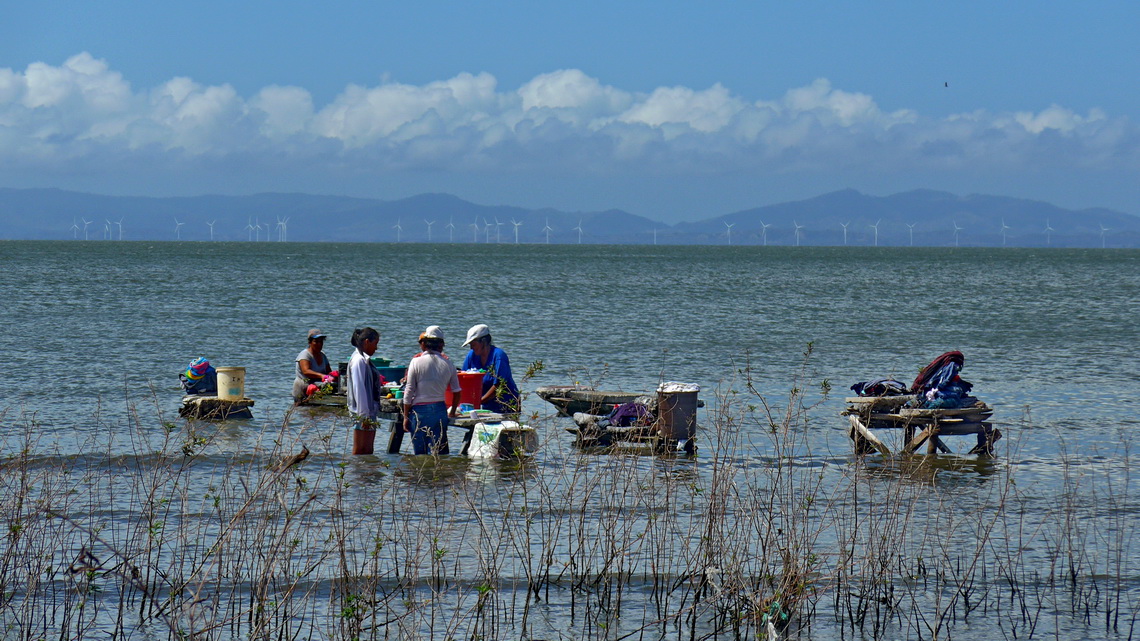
(921, 218)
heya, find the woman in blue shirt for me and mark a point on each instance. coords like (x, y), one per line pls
(500, 393)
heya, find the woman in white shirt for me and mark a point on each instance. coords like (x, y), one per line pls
(430, 374)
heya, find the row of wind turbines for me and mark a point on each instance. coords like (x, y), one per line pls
(282, 229)
(486, 230)
(1048, 231)
(254, 229)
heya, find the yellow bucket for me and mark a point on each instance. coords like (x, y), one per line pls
(231, 383)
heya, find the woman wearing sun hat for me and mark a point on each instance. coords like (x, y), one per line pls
(199, 378)
(500, 392)
(430, 375)
(313, 367)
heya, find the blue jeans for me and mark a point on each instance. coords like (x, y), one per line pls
(429, 428)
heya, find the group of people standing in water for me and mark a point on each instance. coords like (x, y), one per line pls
(429, 376)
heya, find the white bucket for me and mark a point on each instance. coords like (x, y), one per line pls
(231, 383)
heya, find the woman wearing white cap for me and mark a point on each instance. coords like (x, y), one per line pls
(500, 393)
(426, 414)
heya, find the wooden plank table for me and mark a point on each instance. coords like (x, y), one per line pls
(390, 410)
(919, 425)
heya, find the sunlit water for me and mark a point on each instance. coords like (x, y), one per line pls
(1049, 336)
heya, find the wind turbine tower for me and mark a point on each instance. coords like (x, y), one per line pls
(910, 227)
(120, 224)
(956, 230)
(1103, 231)
(1003, 228)
(211, 226)
(429, 223)
(178, 229)
(451, 229)
(798, 228)
(764, 232)
(85, 224)
(728, 231)
(876, 228)
(398, 229)
(579, 230)
(1048, 234)
(844, 226)
(547, 230)
(516, 223)
(74, 230)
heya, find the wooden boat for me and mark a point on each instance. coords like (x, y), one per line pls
(918, 425)
(572, 399)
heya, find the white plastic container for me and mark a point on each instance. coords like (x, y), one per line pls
(231, 383)
(500, 440)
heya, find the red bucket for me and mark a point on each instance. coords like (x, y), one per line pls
(470, 389)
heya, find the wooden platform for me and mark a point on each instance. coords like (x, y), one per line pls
(918, 426)
(212, 408)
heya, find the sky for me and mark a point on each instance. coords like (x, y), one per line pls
(670, 110)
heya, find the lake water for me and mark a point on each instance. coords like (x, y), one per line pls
(97, 330)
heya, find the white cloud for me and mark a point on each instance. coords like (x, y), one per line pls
(82, 113)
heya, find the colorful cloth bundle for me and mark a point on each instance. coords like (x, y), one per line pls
(197, 369)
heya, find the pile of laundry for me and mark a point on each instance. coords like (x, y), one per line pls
(937, 386)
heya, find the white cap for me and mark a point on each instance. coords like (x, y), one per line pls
(478, 331)
(433, 331)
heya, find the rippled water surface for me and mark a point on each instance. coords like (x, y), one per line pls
(1050, 338)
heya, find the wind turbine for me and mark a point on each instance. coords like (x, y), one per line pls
(120, 224)
(257, 229)
(85, 224)
(547, 230)
(178, 229)
(956, 230)
(1103, 229)
(107, 235)
(398, 229)
(249, 229)
(1003, 228)
(429, 223)
(516, 224)
(654, 235)
(475, 230)
(451, 230)
(798, 228)
(74, 230)
(876, 228)
(285, 228)
(728, 231)
(1048, 234)
(579, 230)
(764, 231)
(280, 231)
(211, 226)
(844, 226)
(910, 226)
(486, 230)
(498, 231)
